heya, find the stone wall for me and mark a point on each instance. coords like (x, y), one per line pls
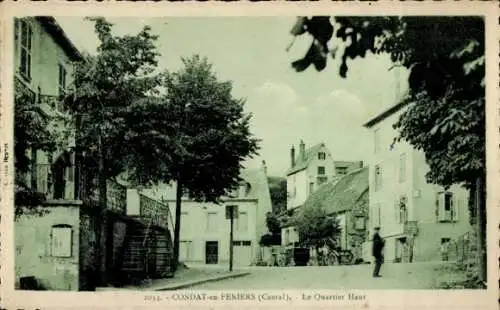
(35, 257)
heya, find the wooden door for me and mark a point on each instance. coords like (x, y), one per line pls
(211, 252)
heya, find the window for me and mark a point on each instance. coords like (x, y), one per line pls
(242, 243)
(376, 141)
(241, 222)
(445, 240)
(23, 39)
(403, 210)
(375, 215)
(71, 173)
(341, 170)
(185, 250)
(184, 221)
(321, 170)
(445, 208)
(61, 240)
(377, 179)
(311, 187)
(321, 156)
(402, 167)
(211, 221)
(321, 180)
(62, 80)
(359, 223)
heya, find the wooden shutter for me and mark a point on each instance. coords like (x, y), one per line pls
(437, 207)
(396, 211)
(440, 200)
(455, 208)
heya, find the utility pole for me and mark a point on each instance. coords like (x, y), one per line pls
(230, 213)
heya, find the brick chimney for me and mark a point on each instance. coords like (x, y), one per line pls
(292, 156)
(302, 150)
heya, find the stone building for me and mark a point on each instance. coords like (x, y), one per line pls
(415, 217)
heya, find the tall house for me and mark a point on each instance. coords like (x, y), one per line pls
(415, 216)
(310, 168)
(44, 60)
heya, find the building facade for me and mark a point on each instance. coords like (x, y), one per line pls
(347, 199)
(310, 169)
(44, 61)
(47, 247)
(415, 217)
(205, 227)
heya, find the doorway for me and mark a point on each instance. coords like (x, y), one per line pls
(212, 252)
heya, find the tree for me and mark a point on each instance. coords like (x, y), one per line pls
(198, 136)
(273, 223)
(315, 225)
(109, 88)
(445, 115)
(277, 189)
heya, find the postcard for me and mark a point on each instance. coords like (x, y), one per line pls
(253, 155)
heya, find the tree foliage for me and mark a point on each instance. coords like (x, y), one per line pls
(198, 133)
(273, 223)
(315, 225)
(445, 56)
(277, 189)
(111, 87)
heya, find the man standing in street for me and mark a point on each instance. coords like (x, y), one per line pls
(378, 246)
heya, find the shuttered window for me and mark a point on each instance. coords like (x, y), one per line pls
(446, 208)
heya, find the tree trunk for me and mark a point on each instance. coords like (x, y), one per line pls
(101, 227)
(177, 225)
(481, 227)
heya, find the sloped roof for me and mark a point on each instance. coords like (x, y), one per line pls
(385, 114)
(251, 177)
(309, 155)
(54, 29)
(341, 194)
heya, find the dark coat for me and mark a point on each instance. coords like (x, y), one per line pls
(378, 245)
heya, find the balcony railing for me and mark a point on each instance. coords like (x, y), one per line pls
(116, 194)
(155, 211)
(116, 197)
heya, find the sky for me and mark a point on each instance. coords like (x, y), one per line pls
(287, 106)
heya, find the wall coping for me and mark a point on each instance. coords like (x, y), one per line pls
(63, 202)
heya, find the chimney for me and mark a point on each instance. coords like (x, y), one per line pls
(264, 166)
(302, 150)
(292, 155)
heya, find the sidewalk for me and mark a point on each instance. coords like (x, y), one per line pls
(184, 278)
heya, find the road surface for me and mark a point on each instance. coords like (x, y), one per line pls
(394, 276)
